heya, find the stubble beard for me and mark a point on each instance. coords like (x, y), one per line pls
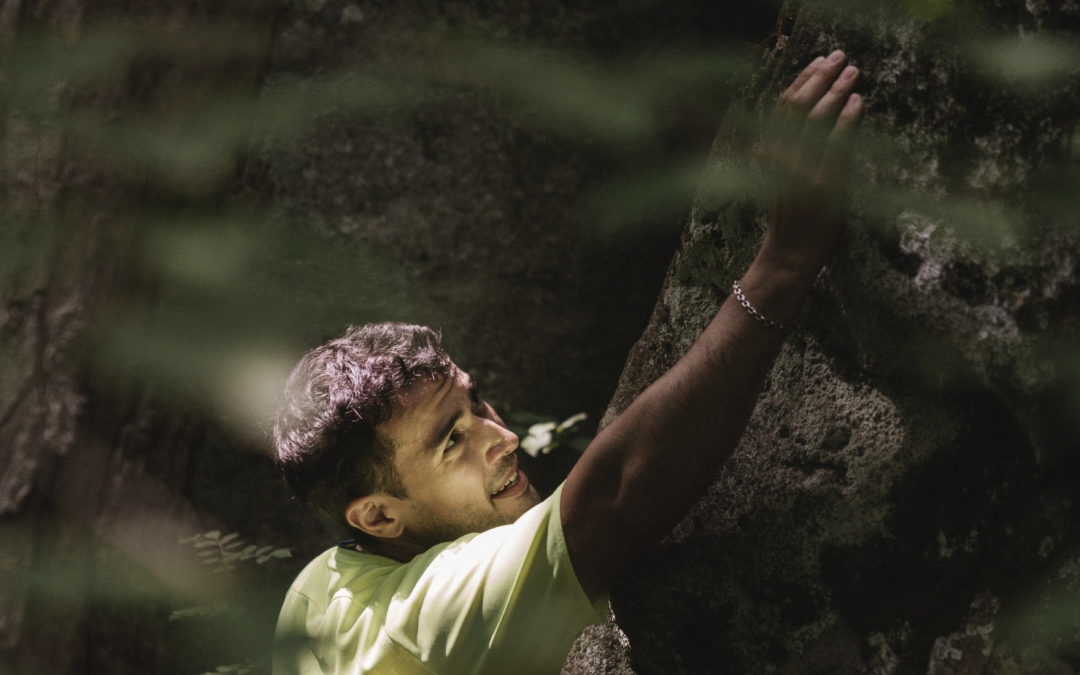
(440, 527)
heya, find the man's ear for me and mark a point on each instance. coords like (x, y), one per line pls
(376, 515)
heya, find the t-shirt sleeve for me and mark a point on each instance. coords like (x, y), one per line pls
(503, 599)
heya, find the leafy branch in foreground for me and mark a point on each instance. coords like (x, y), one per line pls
(233, 668)
(223, 552)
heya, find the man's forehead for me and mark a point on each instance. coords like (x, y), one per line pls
(429, 391)
(421, 405)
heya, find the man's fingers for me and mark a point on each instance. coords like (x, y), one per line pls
(830, 104)
(789, 98)
(839, 141)
(801, 79)
(813, 118)
(779, 117)
(822, 117)
(810, 91)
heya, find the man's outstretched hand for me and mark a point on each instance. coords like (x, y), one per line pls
(803, 154)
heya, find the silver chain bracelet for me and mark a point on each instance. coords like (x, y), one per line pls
(752, 311)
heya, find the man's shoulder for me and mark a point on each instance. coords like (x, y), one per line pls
(476, 600)
(339, 568)
(344, 566)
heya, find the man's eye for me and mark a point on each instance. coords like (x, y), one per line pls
(451, 442)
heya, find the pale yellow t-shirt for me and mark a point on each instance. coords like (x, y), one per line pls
(502, 601)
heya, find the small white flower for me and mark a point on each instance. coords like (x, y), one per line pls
(539, 439)
(570, 421)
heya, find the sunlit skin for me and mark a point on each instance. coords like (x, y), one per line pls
(454, 455)
(644, 471)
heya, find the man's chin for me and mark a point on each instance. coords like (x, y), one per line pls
(533, 496)
(526, 501)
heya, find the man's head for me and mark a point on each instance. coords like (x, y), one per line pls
(381, 431)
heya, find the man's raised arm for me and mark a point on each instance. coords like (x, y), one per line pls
(645, 470)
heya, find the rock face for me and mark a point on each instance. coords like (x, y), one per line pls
(905, 497)
(477, 198)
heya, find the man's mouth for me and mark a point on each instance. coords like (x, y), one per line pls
(514, 485)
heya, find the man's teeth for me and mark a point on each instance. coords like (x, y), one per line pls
(513, 479)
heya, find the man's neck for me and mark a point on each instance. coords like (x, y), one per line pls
(400, 549)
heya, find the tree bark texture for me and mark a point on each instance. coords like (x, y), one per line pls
(905, 497)
(102, 473)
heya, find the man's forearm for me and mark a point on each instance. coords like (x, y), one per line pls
(647, 468)
(642, 474)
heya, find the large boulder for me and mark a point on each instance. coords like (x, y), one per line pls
(905, 496)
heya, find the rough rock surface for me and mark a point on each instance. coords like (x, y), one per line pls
(905, 497)
(478, 200)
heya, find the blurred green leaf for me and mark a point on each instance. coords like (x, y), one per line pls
(930, 10)
(37, 64)
(665, 193)
(872, 15)
(26, 242)
(200, 612)
(1027, 60)
(235, 294)
(604, 101)
(1052, 616)
(990, 225)
(190, 140)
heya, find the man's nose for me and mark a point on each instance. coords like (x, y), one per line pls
(503, 441)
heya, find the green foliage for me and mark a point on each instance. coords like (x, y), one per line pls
(229, 554)
(161, 133)
(237, 298)
(1030, 62)
(224, 552)
(233, 669)
(616, 103)
(199, 612)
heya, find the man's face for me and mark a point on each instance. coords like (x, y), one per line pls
(456, 460)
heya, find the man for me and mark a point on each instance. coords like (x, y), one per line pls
(457, 567)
